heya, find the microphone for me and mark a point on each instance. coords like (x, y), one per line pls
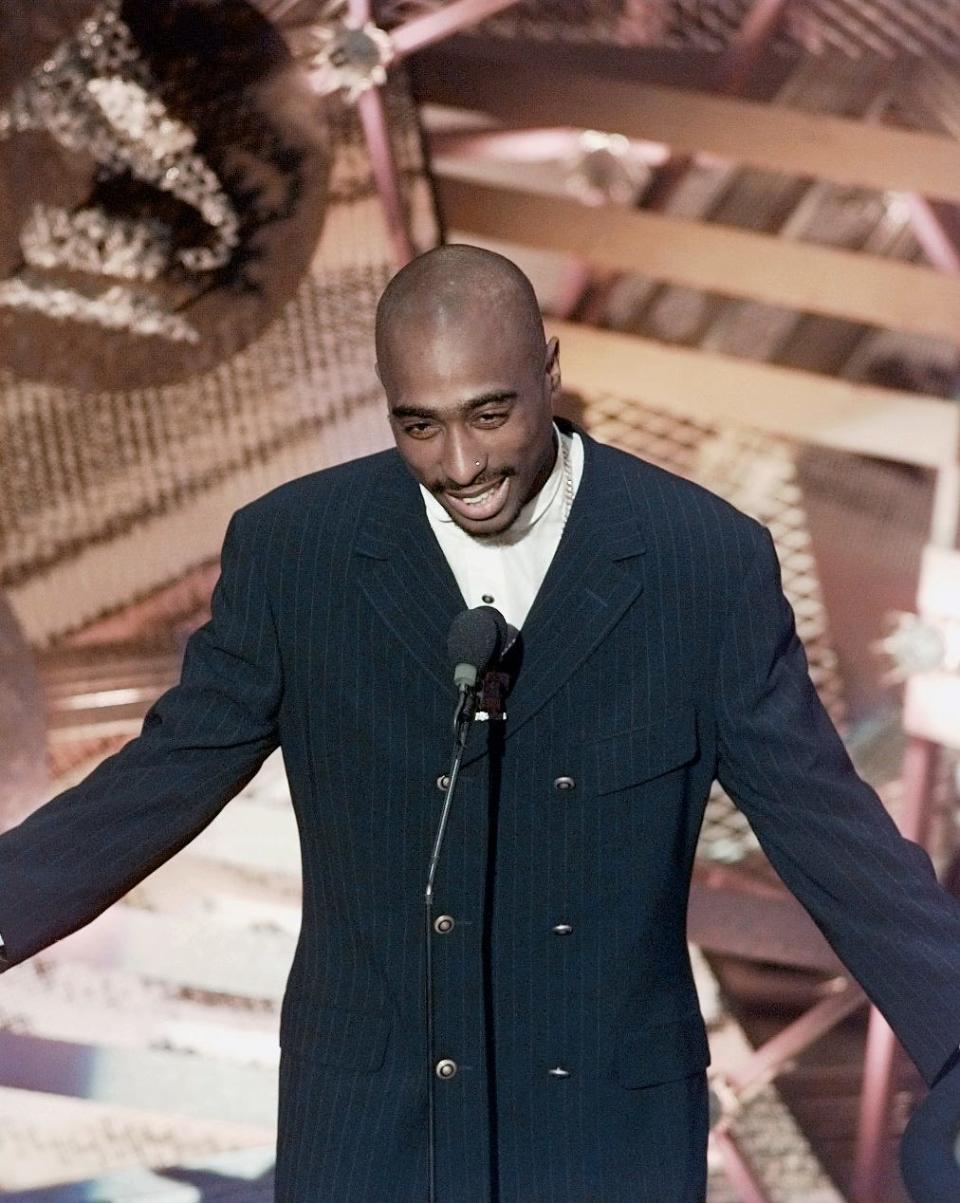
(476, 639)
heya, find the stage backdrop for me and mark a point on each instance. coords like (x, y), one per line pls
(191, 248)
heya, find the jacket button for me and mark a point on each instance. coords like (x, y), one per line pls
(444, 924)
(558, 1072)
(564, 783)
(445, 1068)
(562, 929)
(443, 782)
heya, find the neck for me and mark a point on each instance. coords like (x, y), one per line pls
(543, 475)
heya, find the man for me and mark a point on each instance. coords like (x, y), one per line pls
(656, 652)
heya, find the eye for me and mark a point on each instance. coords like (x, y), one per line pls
(492, 417)
(419, 430)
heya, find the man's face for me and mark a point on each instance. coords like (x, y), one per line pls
(472, 415)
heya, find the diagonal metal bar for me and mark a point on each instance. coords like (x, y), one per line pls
(872, 1154)
(937, 229)
(424, 31)
(371, 105)
(741, 1173)
(769, 1059)
(739, 60)
(372, 109)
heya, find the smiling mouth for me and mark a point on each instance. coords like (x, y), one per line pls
(483, 505)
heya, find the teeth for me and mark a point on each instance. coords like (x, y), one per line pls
(483, 497)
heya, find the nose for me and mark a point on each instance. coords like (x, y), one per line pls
(463, 461)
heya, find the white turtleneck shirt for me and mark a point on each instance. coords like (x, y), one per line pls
(507, 570)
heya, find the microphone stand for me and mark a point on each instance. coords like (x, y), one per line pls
(463, 717)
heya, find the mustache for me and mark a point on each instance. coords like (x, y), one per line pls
(487, 478)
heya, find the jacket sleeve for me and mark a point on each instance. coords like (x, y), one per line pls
(200, 743)
(872, 893)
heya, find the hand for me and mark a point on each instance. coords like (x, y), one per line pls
(928, 1148)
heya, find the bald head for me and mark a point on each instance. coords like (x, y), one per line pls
(470, 383)
(458, 292)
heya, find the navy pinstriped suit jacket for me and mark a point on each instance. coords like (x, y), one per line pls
(660, 653)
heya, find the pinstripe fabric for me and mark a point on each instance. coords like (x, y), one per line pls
(659, 654)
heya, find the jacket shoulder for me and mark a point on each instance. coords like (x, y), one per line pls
(669, 500)
(339, 484)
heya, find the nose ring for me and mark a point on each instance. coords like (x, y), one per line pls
(476, 463)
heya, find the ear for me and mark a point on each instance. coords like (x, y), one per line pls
(552, 367)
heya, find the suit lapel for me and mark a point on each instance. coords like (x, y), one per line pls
(594, 576)
(405, 575)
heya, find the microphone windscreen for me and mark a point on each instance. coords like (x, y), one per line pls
(476, 637)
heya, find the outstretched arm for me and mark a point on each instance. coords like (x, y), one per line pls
(871, 892)
(201, 742)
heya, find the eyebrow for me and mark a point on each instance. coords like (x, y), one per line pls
(464, 408)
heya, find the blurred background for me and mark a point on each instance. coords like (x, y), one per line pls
(742, 218)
